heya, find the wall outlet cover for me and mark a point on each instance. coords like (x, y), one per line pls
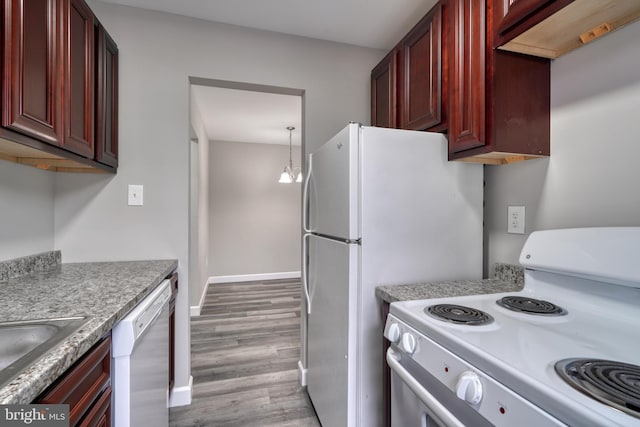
(515, 219)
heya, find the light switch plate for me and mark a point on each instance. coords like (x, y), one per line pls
(135, 195)
(515, 219)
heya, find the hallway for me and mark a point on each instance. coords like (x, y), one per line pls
(245, 346)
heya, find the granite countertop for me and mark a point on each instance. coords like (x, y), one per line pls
(508, 278)
(103, 291)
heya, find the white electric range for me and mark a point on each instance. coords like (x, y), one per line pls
(567, 354)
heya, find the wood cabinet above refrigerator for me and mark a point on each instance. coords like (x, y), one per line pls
(408, 86)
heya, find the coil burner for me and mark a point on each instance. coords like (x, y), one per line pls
(615, 384)
(459, 314)
(531, 306)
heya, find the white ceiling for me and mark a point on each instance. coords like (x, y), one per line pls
(244, 116)
(370, 23)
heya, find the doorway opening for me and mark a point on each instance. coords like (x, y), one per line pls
(243, 224)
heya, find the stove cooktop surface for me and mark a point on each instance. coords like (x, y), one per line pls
(521, 349)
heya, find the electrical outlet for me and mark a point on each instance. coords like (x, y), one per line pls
(515, 219)
(135, 195)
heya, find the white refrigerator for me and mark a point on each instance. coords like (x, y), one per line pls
(381, 207)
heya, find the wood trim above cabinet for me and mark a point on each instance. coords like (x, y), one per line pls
(421, 73)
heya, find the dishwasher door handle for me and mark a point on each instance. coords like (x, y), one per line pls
(436, 409)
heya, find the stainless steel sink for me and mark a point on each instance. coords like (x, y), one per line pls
(21, 343)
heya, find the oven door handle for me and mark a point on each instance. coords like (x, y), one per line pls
(436, 409)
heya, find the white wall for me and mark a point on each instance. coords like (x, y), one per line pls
(200, 230)
(26, 210)
(592, 177)
(254, 220)
(158, 53)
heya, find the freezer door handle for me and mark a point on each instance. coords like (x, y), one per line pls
(305, 270)
(305, 198)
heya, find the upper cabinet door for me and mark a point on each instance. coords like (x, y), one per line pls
(32, 68)
(467, 74)
(106, 98)
(384, 92)
(421, 73)
(79, 102)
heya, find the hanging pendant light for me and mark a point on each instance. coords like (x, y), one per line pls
(289, 173)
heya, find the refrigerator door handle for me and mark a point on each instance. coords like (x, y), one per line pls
(305, 199)
(305, 272)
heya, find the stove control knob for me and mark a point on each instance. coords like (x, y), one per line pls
(408, 343)
(469, 388)
(393, 333)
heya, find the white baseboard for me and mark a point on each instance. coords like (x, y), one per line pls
(181, 396)
(254, 277)
(194, 310)
(302, 374)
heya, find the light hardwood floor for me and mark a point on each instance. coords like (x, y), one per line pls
(245, 347)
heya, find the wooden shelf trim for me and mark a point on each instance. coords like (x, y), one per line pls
(561, 32)
(25, 155)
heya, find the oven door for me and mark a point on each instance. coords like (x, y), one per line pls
(420, 400)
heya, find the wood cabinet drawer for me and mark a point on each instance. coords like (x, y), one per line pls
(100, 413)
(83, 383)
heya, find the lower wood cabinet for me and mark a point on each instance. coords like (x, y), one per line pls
(86, 388)
(172, 329)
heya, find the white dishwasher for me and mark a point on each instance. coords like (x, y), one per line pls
(140, 352)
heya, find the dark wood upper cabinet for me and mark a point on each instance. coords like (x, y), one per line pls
(467, 113)
(421, 73)
(408, 87)
(32, 69)
(79, 90)
(106, 98)
(499, 101)
(50, 87)
(384, 88)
